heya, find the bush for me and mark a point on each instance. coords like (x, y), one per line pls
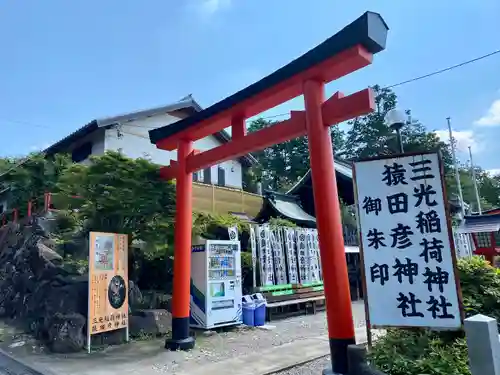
(155, 273)
(120, 195)
(480, 284)
(246, 272)
(276, 222)
(65, 222)
(415, 352)
(79, 266)
(214, 226)
(420, 351)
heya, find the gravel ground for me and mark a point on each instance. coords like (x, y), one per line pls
(311, 368)
(226, 345)
(211, 346)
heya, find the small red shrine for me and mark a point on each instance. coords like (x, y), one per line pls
(485, 232)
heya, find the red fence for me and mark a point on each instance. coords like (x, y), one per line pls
(14, 214)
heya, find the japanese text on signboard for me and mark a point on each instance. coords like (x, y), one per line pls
(408, 264)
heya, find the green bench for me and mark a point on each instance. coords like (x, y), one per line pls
(298, 297)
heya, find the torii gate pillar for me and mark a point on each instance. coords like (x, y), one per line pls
(329, 223)
(182, 252)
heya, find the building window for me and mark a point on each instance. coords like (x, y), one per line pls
(497, 239)
(81, 152)
(221, 176)
(207, 176)
(483, 240)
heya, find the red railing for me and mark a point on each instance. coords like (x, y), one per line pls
(13, 215)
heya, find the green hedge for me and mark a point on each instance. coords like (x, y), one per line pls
(415, 352)
(420, 351)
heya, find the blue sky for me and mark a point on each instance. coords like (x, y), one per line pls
(65, 63)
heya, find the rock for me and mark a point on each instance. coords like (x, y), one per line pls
(134, 294)
(66, 333)
(17, 344)
(114, 337)
(70, 297)
(49, 242)
(45, 225)
(153, 299)
(168, 304)
(75, 246)
(152, 322)
(47, 253)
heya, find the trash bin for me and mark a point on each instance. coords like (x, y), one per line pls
(248, 307)
(260, 309)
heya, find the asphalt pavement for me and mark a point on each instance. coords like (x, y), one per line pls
(11, 366)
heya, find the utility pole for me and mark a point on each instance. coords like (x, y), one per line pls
(473, 169)
(457, 173)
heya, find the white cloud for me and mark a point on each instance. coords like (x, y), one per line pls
(464, 139)
(37, 148)
(494, 171)
(492, 116)
(210, 7)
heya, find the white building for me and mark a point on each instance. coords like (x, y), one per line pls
(128, 134)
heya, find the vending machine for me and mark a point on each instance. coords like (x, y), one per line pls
(216, 295)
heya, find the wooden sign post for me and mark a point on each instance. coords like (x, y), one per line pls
(108, 284)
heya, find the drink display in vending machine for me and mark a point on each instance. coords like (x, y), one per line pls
(216, 295)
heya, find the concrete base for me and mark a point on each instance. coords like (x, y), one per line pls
(150, 321)
(184, 344)
(358, 364)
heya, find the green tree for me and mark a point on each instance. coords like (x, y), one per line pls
(122, 195)
(369, 135)
(249, 178)
(488, 187)
(281, 165)
(33, 177)
(7, 163)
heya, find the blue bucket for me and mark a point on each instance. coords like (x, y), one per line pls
(259, 310)
(248, 313)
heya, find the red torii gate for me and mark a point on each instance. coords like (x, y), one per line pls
(347, 51)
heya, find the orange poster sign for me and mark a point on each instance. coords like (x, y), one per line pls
(108, 282)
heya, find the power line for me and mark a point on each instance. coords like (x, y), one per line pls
(444, 70)
(425, 75)
(20, 122)
(418, 78)
(274, 116)
(135, 135)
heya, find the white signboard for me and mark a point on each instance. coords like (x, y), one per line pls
(463, 244)
(408, 258)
